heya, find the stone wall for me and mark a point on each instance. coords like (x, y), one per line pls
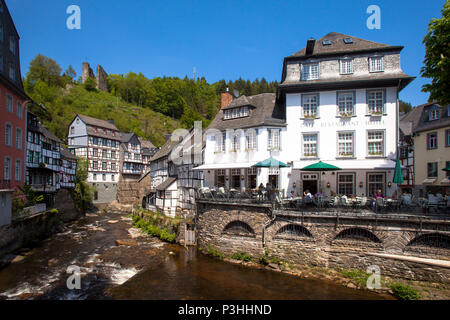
(106, 192)
(327, 240)
(102, 83)
(24, 231)
(128, 192)
(66, 207)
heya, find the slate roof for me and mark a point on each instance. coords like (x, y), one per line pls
(338, 45)
(146, 143)
(409, 121)
(426, 125)
(239, 102)
(97, 122)
(265, 111)
(164, 185)
(165, 149)
(46, 133)
(67, 154)
(126, 136)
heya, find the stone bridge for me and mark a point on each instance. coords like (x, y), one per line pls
(412, 247)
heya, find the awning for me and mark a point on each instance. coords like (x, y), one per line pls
(429, 181)
(367, 164)
(232, 165)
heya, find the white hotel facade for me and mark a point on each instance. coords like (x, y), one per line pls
(337, 102)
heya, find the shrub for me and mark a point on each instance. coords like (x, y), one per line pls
(153, 230)
(241, 256)
(54, 210)
(359, 277)
(403, 291)
(214, 252)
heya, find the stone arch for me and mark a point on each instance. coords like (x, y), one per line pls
(292, 231)
(358, 234)
(432, 239)
(238, 228)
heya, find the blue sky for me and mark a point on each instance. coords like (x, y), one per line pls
(222, 39)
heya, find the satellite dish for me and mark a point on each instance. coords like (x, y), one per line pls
(236, 93)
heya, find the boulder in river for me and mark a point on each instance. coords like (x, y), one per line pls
(126, 242)
(113, 221)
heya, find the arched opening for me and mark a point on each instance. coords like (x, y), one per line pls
(293, 231)
(435, 240)
(239, 228)
(358, 234)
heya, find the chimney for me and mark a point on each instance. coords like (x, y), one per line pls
(310, 46)
(111, 121)
(226, 98)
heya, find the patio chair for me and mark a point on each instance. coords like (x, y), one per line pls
(221, 193)
(380, 204)
(432, 202)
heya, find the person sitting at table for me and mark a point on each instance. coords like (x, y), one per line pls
(332, 194)
(379, 194)
(261, 189)
(291, 195)
(308, 196)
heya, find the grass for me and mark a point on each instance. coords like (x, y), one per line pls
(241, 256)
(154, 230)
(359, 277)
(403, 291)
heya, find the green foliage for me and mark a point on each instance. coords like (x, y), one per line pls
(404, 106)
(82, 194)
(241, 256)
(403, 291)
(359, 277)
(54, 211)
(437, 57)
(44, 69)
(154, 230)
(214, 252)
(90, 85)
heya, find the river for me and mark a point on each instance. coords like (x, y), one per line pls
(145, 270)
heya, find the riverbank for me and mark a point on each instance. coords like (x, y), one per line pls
(350, 278)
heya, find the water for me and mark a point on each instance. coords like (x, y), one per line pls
(147, 270)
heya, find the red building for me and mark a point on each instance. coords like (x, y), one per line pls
(13, 113)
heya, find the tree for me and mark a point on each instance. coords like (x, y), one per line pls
(404, 106)
(70, 73)
(437, 57)
(44, 69)
(82, 194)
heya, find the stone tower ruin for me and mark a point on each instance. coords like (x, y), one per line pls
(102, 83)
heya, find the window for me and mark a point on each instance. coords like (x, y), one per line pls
(375, 143)
(72, 130)
(112, 177)
(310, 71)
(310, 103)
(220, 178)
(94, 177)
(7, 169)
(346, 184)
(346, 66)
(432, 169)
(1, 30)
(95, 141)
(346, 144)
(235, 143)
(274, 175)
(432, 140)
(251, 178)
(104, 177)
(348, 40)
(447, 165)
(447, 138)
(375, 182)
(12, 73)
(235, 178)
(9, 103)
(310, 145)
(375, 102)
(433, 113)
(103, 153)
(273, 139)
(375, 64)
(113, 166)
(19, 110)
(251, 139)
(345, 102)
(12, 44)
(18, 170)
(95, 165)
(236, 113)
(104, 165)
(18, 138)
(8, 134)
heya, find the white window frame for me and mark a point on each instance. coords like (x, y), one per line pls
(236, 142)
(310, 108)
(9, 103)
(310, 71)
(19, 109)
(18, 138)
(373, 106)
(342, 183)
(7, 168)
(434, 113)
(345, 101)
(344, 144)
(251, 138)
(18, 170)
(376, 64)
(8, 134)
(375, 140)
(346, 66)
(308, 145)
(274, 139)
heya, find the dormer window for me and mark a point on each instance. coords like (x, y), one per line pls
(310, 71)
(236, 113)
(348, 40)
(375, 64)
(434, 113)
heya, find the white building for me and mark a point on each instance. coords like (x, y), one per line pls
(99, 142)
(67, 175)
(337, 102)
